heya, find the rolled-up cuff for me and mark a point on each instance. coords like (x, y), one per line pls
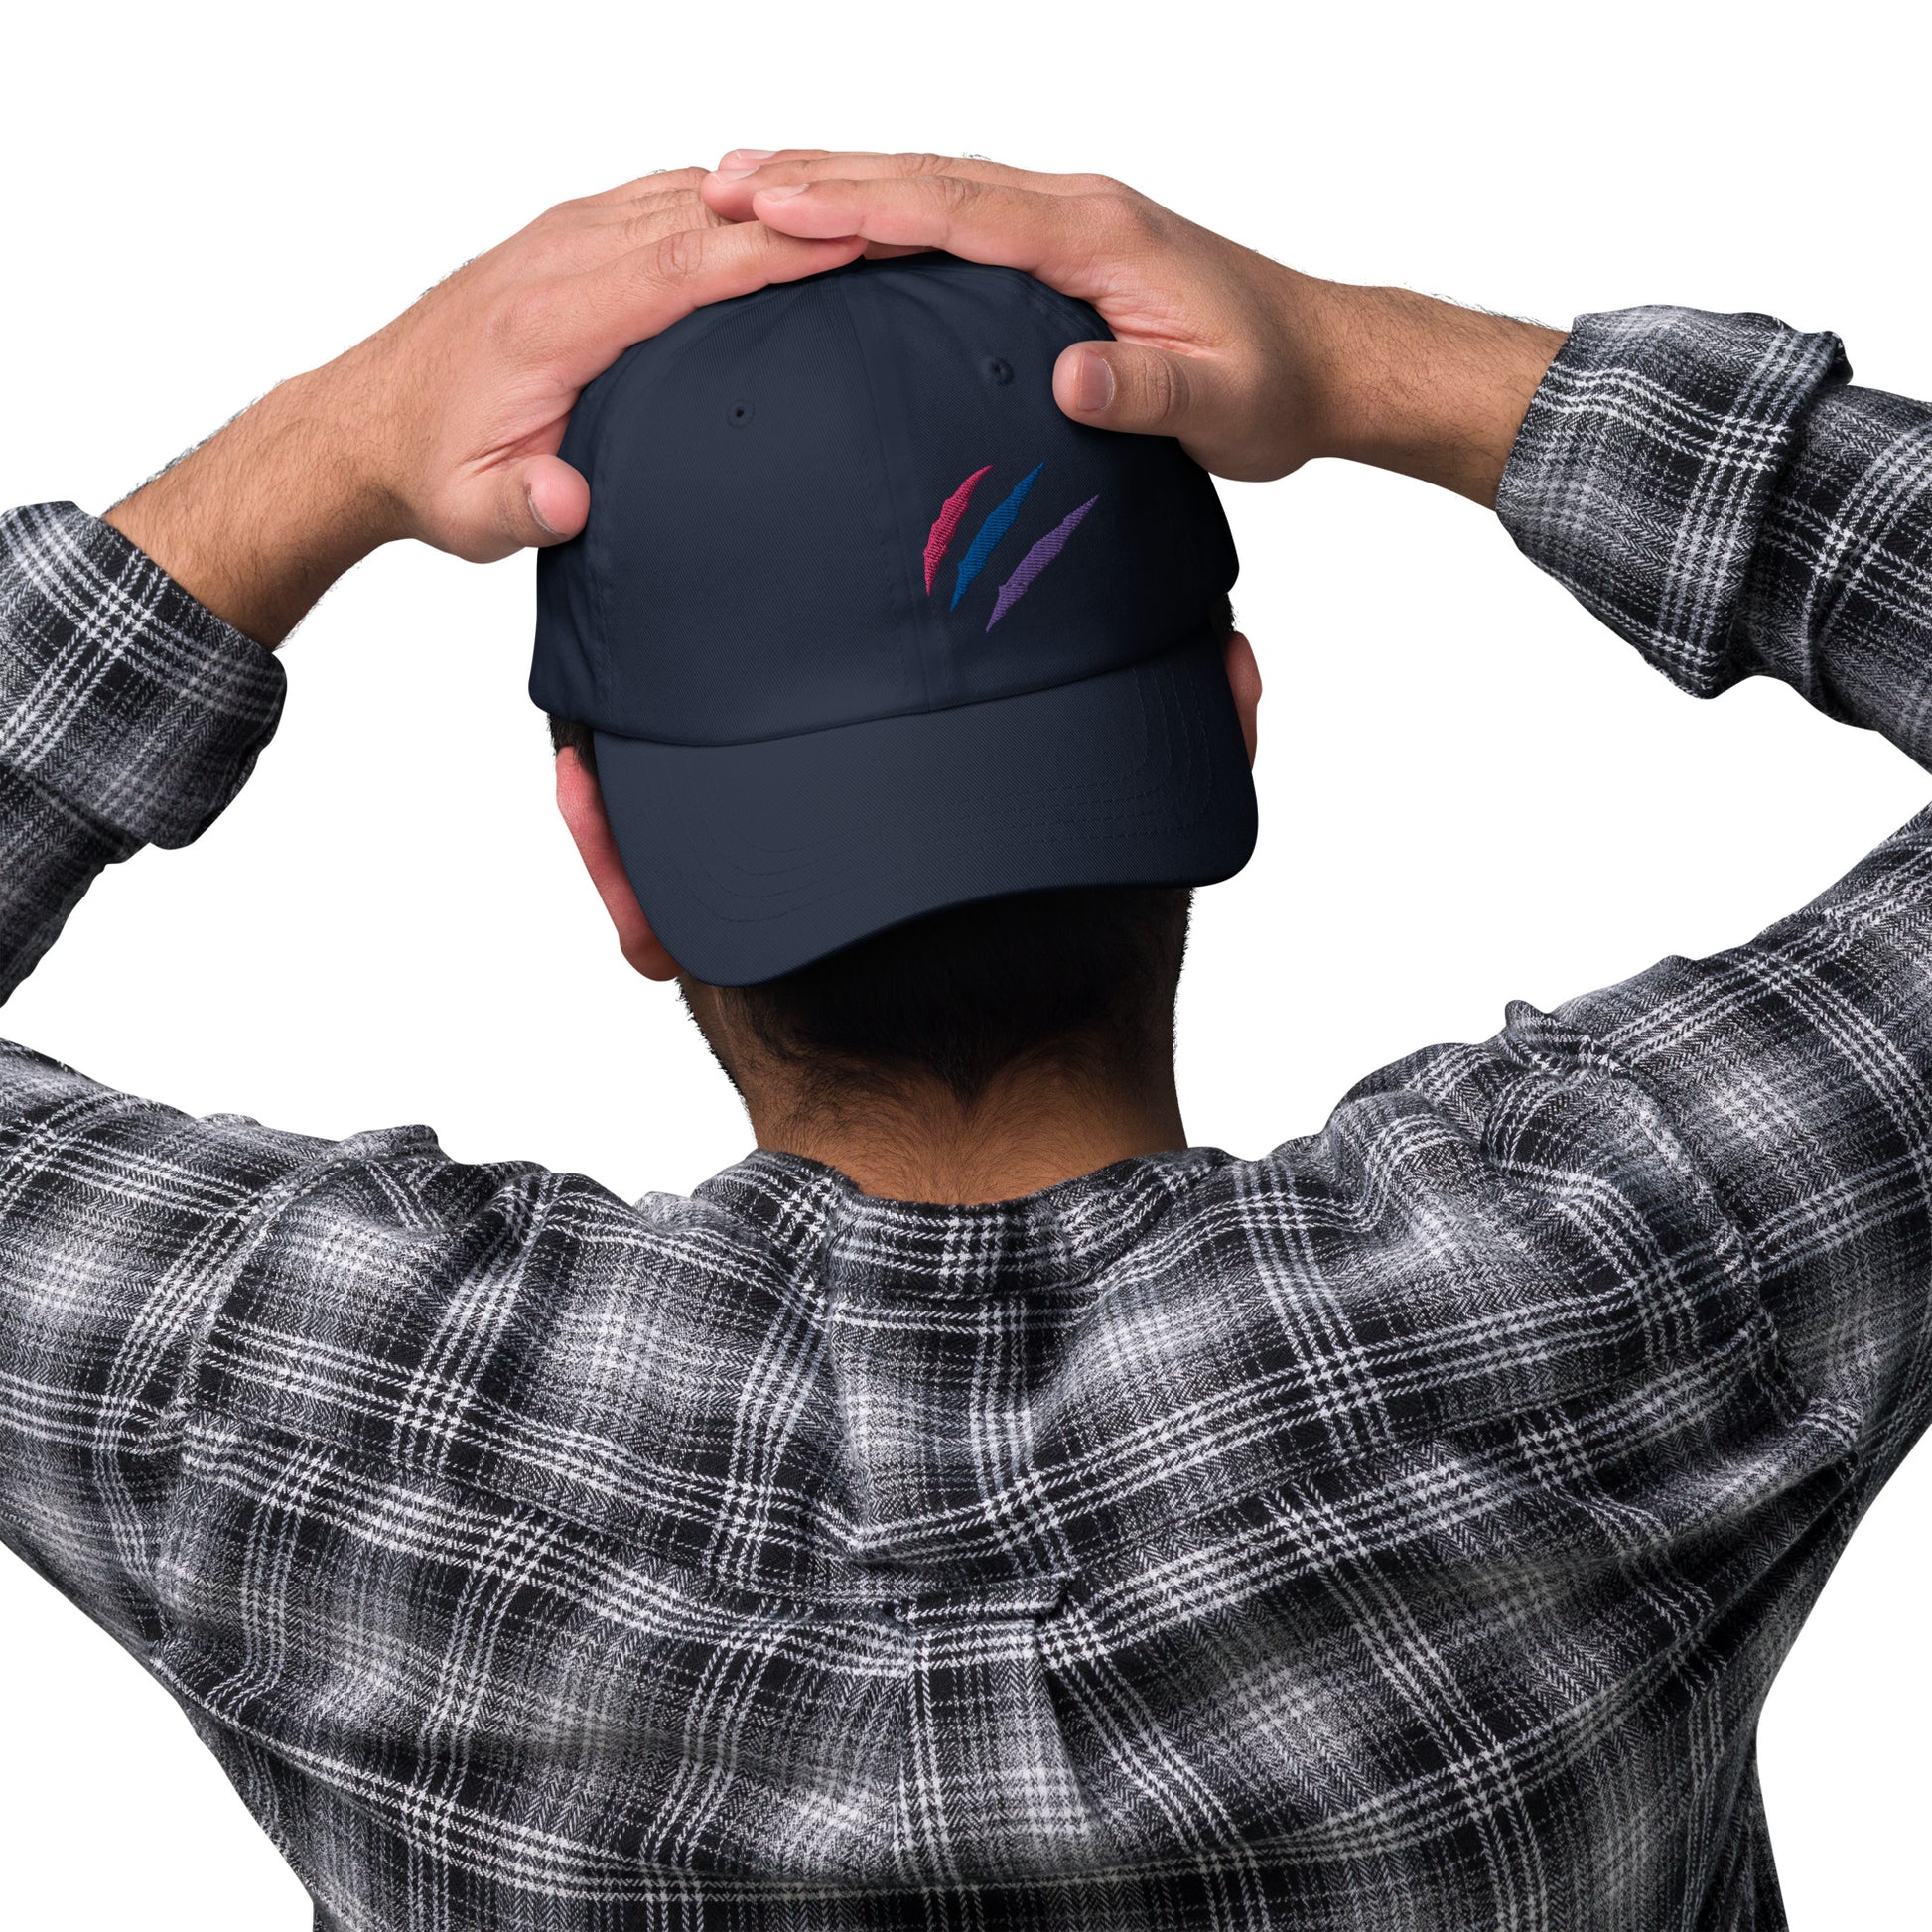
(1643, 471)
(119, 693)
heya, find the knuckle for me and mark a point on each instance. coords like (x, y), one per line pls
(650, 217)
(679, 254)
(1116, 212)
(925, 164)
(1162, 388)
(955, 191)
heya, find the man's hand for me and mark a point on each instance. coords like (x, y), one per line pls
(444, 425)
(1254, 367)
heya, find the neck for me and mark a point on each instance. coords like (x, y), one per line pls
(1030, 1129)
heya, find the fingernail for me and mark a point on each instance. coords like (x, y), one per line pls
(749, 154)
(537, 516)
(1093, 387)
(730, 173)
(784, 191)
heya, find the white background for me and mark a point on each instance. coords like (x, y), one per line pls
(1469, 790)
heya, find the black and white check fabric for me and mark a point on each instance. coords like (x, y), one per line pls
(1398, 1533)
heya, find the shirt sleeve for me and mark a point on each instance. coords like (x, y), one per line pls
(128, 713)
(1712, 487)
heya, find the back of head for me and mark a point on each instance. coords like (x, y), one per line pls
(903, 691)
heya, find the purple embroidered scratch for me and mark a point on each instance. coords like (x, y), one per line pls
(1036, 560)
(946, 523)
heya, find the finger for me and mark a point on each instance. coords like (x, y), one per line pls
(1059, 237)
(628, 208)
(738, 158)
(596, 237)
(637, 223)
(587, 321)
(723, 189)
(730, 190)
(581, 235)
(659, 182)
(860, 164)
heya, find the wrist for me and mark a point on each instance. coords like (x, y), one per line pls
(259, 520)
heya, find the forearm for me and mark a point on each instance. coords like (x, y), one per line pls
(1413, 384)
(261, 519)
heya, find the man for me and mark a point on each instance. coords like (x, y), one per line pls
(979, 1507)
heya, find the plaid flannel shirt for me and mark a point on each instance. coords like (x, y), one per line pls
(1397, 1533)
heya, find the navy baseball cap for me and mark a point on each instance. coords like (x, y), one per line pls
(865, 627)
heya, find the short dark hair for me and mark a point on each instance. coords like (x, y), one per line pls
(1081, 977)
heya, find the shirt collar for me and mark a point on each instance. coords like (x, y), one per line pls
(1062, 1235)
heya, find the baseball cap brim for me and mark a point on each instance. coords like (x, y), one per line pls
(752, 860)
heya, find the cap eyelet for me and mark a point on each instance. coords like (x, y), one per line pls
(998, 371)
(738, 415)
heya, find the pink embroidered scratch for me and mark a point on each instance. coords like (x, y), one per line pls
(946, 523)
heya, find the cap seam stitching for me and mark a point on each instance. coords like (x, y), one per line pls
(888, 532)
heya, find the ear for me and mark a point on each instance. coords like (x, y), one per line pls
(582, 805)
(1244, 680)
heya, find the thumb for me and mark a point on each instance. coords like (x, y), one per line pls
(534, 502)
(555, 497)
(1128, 386)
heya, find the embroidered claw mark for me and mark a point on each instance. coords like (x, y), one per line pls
(1036, 560)
(946, 523)
(990, 532)
(945, 527)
